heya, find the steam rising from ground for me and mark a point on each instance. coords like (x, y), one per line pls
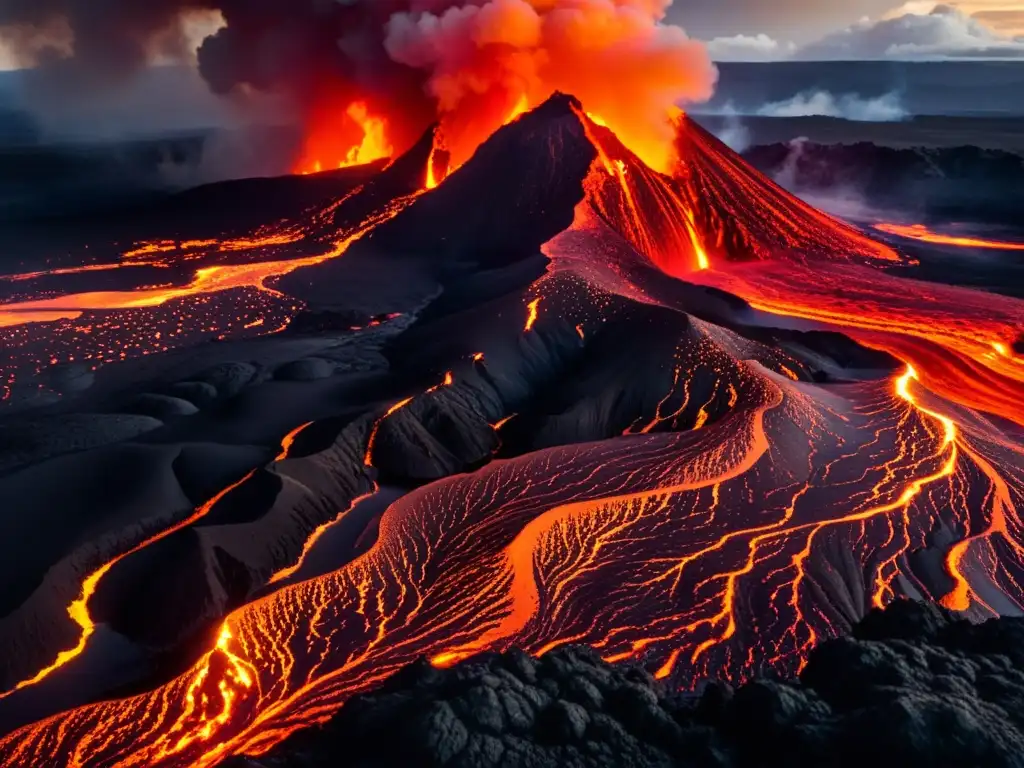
(882, 109)
(410, 60)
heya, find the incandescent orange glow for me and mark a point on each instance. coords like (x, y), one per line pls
(79, 609)
(371, 441)
(952, 336)
(438, 164)
(206, 280)
(287, 572)
(502, 422)
(531, 314)
(926, 235)
(146, 255)
(741, 518)
(324, 148)
(521, 106)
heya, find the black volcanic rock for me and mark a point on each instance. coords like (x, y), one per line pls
(163, 407)
(948, 182)
(531, 173)
(914, 686)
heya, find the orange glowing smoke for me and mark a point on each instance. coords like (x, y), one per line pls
(522, 105)
(926, 235)
(618, 58)
(325, 146)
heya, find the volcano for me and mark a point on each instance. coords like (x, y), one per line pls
(551, 397)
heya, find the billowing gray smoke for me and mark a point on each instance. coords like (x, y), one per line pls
(409, 60)
(307, 50)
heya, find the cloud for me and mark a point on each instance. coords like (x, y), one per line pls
(916, 30)
(748, 48)
(883, 109)
(1007, 21)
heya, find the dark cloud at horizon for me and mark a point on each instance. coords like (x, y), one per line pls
(790, 20)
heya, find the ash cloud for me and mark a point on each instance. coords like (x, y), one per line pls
(942, 32)
(409, 59)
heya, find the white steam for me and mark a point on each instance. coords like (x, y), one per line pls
(882, 109)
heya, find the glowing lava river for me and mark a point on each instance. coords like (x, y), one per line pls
(748, 511)
(924, 234)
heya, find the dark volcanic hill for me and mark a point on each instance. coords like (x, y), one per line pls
(936, 184)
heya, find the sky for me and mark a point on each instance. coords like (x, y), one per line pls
(803, 21)
(760, 30)
(754, 30)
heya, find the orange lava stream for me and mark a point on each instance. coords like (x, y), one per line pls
(952, 340)
(478, 562)
(531, 314)
(206, 280)
(288, 571)
(521, 552)
(521, 106)
(137, 257)
(79, 609)
(636, 191)
(926, 235)
(74, 270)
(958, 340)
(436, 172)
(727, 549)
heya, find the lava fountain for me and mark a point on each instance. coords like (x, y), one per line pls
(325, 146)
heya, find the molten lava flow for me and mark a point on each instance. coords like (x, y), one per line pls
(325, 149)
(372, 440)
(288, 571)
(79, 609)
(206, 280)
(958, 340)
(745, 516)
(438, 164)
(647, 210)
(926, 235)
(740, 214)
(531, 314)
(148, 255)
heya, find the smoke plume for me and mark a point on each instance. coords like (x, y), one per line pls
(467, 61)
(887, 108)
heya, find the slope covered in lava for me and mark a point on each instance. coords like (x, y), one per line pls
(893, 677)
(747, 486)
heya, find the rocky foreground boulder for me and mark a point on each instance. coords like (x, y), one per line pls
(913, 686)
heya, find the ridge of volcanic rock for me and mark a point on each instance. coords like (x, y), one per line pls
(517, 191)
